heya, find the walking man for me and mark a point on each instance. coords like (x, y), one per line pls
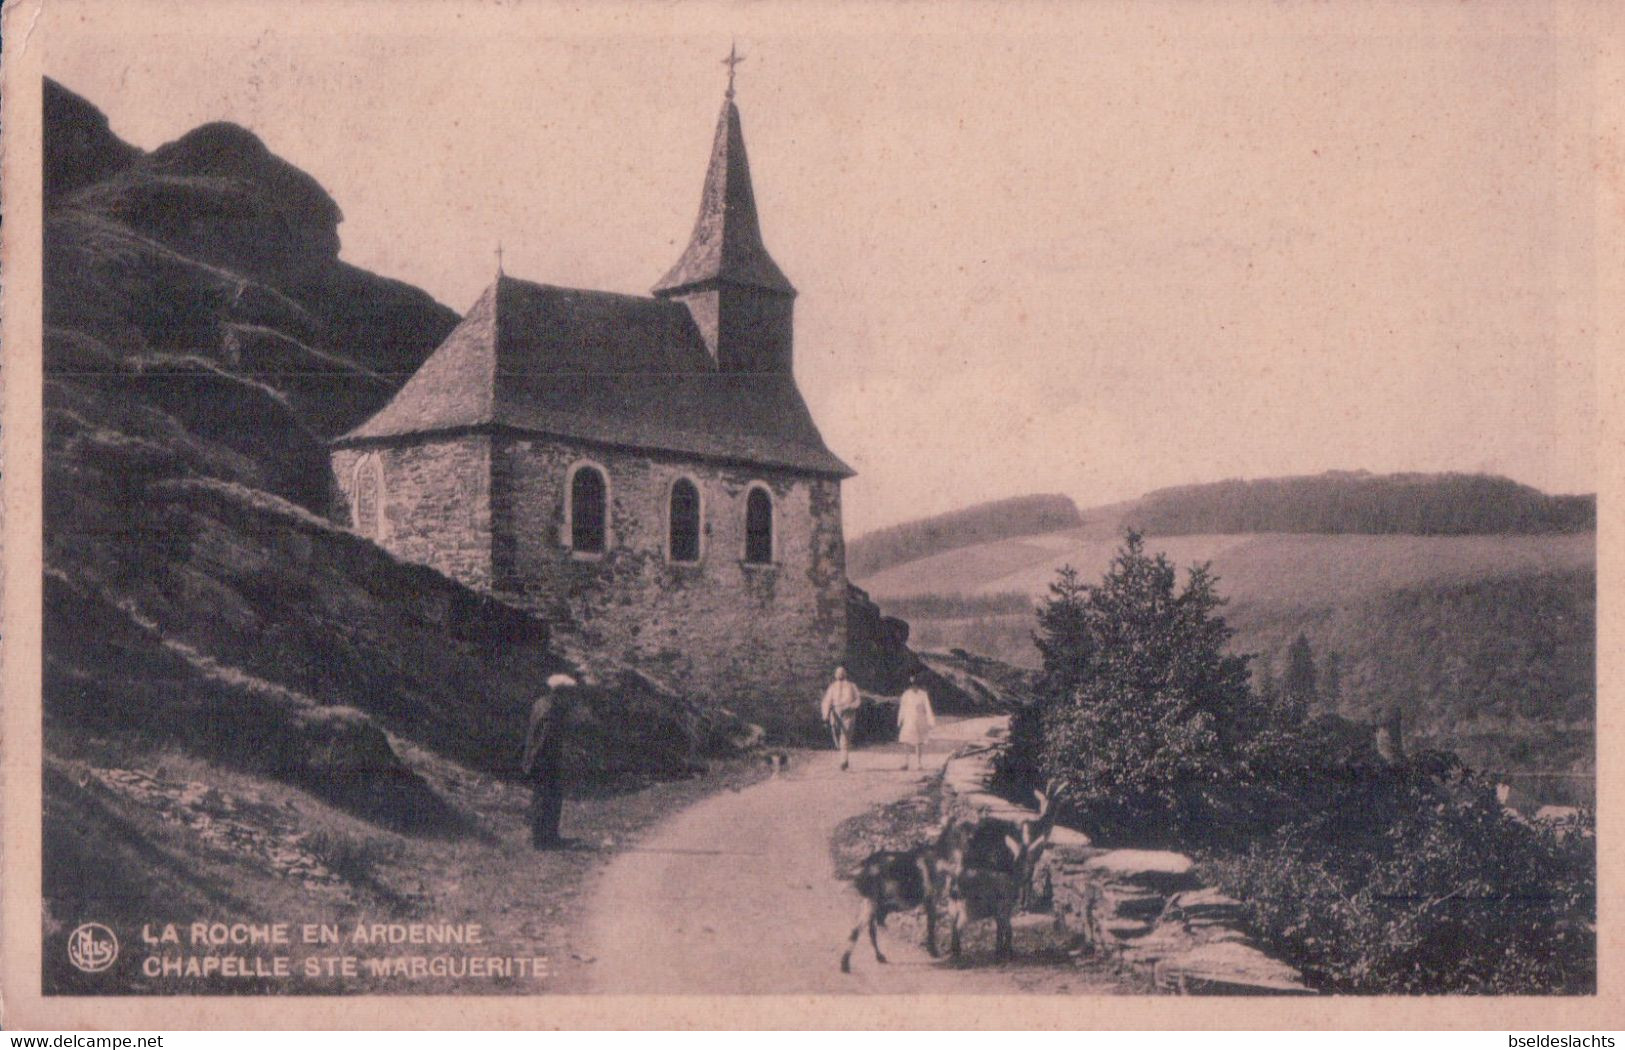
(544, 760)
(840, 711)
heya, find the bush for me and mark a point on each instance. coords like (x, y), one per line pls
(1142, 719)
(1370, 872)
(1453, 898)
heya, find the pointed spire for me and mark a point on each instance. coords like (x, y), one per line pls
(726, 245)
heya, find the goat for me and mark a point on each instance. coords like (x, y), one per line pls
(985, 869)
(986, 887)
(988, 845)
(888, 881)
(900, 880)
(980, 868)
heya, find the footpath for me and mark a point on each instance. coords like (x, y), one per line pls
(736, 895)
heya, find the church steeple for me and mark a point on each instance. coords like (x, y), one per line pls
(740, 298)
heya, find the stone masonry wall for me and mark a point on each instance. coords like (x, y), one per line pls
(761, 639)
(436, 503)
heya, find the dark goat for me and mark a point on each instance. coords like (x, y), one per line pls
(986, 888)
(979, 869)
(888, 881)
(989, 845)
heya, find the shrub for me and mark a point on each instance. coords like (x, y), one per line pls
(1142, 718)
(1453, 898)
(1372, 873)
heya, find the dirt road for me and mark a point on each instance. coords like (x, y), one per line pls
(737, 895)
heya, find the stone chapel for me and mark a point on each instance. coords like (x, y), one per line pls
(640, 471)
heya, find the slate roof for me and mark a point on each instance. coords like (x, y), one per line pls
(596, 366)
(726, 245)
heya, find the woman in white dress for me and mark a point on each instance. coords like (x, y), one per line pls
(915, 720)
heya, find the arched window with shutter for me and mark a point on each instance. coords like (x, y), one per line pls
(683, 522)
(758, 526)
(588, 509)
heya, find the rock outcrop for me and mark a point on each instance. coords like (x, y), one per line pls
(877, 654)
(81, 148)
(213, 247)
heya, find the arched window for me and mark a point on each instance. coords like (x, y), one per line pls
(683, 537)
(589, 510)
(759, 527)
(367, 510)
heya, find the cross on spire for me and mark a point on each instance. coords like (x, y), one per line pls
(499, 258)
(733, 59)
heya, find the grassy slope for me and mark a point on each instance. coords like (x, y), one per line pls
(985, 522)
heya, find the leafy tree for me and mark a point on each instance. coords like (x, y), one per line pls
(1066, 646)
(1299, 681)
(1447, 895)
(1145, 717)
(1265, 683)
(1062, 638)
(1372, 875)
(1331, 680)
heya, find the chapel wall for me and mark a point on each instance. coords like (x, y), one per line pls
(762, 639)
(435, 500)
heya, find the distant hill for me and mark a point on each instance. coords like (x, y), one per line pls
(1360, 502)
(1477, 618)
(1020, 516)
(1280, 567)
(1336, 502)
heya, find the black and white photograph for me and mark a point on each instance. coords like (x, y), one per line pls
(1086, 504)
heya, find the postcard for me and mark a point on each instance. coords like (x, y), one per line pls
(810, 515)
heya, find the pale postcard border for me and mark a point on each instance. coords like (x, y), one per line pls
(27, 34)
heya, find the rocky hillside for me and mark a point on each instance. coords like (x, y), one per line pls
(202, 340)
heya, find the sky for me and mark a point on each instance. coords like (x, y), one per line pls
(1093, 249)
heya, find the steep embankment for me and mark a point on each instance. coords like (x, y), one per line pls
(1487, 641)
(208, 633)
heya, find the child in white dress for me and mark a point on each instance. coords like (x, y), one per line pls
(915, 720)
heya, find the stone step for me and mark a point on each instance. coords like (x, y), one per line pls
(1156, 869)
(1228, 968)
(1205, 905)
(1067, 838)
(1125, 929)
(1137, 906)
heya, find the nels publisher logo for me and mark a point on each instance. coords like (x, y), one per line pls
(92, 947)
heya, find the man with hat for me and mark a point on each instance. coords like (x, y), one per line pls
(840, 711)
(544, 760)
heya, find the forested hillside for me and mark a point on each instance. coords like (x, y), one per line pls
(1021, 516)
(1360, 502)
(1336, 503)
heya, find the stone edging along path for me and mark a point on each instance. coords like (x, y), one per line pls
(1143, 905)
